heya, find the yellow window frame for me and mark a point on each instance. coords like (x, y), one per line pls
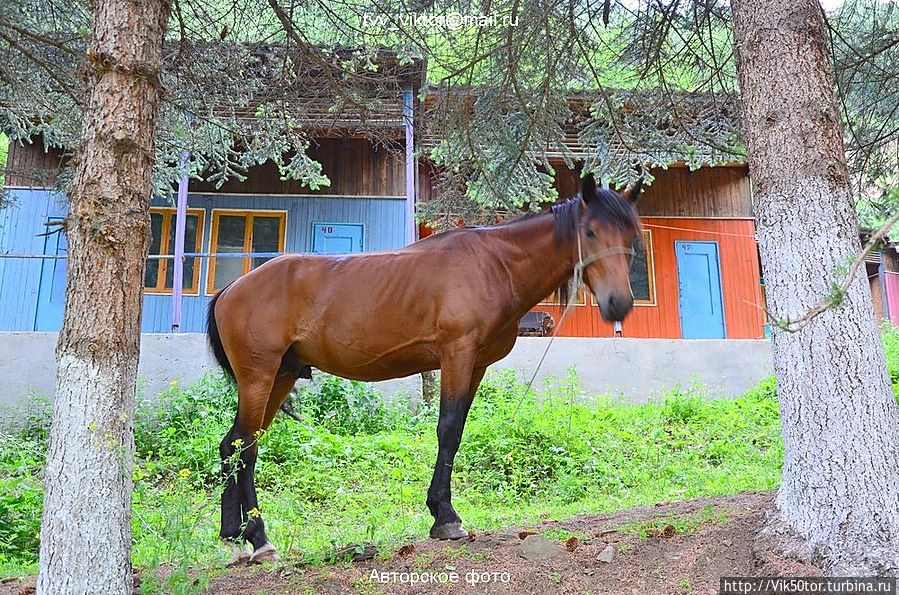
(249, 215)
(650, 270)
(168, 216)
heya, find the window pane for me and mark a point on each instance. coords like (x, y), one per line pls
(266, 236)
(640, 271)
(190, 244)
(231, 230)
(152, 275)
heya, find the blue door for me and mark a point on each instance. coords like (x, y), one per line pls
(337, 238)
(699, 290)
(52, 293)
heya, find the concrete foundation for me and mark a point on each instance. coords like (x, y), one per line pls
(635, 370)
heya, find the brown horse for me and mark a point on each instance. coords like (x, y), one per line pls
(449, 302)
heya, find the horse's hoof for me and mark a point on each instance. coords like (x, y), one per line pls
(448, 531)
(266, 553)
(239, 556)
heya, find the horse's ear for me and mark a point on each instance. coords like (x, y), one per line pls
(633, 193)
(588, 188)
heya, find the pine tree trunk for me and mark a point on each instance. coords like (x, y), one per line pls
(86, 525)
(840, 420)
(430, 387)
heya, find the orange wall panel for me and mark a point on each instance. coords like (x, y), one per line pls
(743, 315)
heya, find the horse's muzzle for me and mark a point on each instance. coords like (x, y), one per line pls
(615, 308)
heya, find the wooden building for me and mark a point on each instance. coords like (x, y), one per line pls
(882, 268)
(696, 274)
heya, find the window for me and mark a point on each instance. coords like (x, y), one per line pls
(643, 272)
(553, 298)
(161, 271)
(242, 232)
(642, 276)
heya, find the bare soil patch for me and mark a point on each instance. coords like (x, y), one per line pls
(680, 548)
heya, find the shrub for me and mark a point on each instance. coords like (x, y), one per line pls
(345, 407)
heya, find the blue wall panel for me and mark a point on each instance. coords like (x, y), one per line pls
(383, 219)
(20, 225)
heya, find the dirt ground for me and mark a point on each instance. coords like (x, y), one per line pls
(678, 548)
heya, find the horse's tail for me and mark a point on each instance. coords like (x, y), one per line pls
(215, 341)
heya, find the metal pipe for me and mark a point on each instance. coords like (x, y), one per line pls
(160, 256)
(408, 99)
(180, 223)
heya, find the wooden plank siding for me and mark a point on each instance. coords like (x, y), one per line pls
(23, 220)
(354, 166)
(708, 204)
(29, 166)
(739, 264)
(20, 225)
(708, 192)
(367, 187)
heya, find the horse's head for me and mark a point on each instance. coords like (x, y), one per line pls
(609, 226)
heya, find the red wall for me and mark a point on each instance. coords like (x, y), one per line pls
(739, 280)
(892, 286)
(740, 272)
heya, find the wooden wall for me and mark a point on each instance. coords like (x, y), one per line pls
(709, 204)
(355, 166)
(21, 224)
(23, 220)
(678, 192)
(29, 166)
(744, 319)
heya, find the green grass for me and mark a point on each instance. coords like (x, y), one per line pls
(356, 470)
(683, 524)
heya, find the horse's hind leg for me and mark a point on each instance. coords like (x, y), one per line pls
(263, 550)
(241, 520)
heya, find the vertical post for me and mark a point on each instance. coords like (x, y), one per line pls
(178, 262)
(617, 327)
(408, 99)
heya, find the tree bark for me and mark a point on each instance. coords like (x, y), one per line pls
(840, 421)
(430, 387)
(86, 524)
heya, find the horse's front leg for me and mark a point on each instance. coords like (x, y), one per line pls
(457, 390)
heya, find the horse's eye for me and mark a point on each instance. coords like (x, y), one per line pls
(590, 233)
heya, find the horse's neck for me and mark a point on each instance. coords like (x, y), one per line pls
(538, 265)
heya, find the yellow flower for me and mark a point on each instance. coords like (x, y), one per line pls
(184, 473)
(237, 443)
(254, 513)
(258, 433)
